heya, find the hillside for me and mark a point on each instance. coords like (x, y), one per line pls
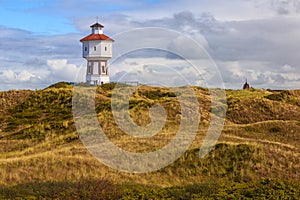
(257, 155)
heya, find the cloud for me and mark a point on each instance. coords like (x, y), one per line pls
(162, 71)
(270, 43)
(73, 9)
(264, 48)
(259, 50)
(264, 39)
(22, 77)
(27, 58)
(54, 71)
(60, 70)
(285, 7)
(22, 46)
(259, 75)
(7, 76)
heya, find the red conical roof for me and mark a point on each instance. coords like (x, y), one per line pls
(96, 37)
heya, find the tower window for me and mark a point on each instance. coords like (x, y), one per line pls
(105, 48)
(96, 68)
(89, 68)
(85, 48)
(103, 69)
(95, 48)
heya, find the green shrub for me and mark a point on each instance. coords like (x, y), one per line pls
(156, 94)
(283, 95)
(103, 106)
(108, 86)
(94, 189)
(60, 85)
(275, 129)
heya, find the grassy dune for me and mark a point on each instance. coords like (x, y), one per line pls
(257, 155)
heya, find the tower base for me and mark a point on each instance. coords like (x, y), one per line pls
(96, 80)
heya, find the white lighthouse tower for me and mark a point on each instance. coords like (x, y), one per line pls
(97, 50)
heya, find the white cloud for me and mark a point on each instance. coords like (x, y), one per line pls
(24, 76)
(54, 71)
(287, 68)
(161, 71)
(259, 75)
(17, 77)
(60, 70)
(7, 76)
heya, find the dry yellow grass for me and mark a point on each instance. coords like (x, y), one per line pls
(43, 149)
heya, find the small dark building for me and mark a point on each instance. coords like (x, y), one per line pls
(246, 86)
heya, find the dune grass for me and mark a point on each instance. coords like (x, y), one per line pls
(41, 155)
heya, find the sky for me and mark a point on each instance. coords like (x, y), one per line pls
(257, 40)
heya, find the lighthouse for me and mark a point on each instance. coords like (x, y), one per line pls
(97, 50)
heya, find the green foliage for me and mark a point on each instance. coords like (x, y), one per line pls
(202, 88)
(278, 96)
(98, 189)
(103, 189)
(244, 110)
(50, 105)
(281, 131)
(290, 97)
(229, 161)
(39, 132)
(108, 86)
(156, 94)
(60, 85)
(264, 189)
(139, 104)
(246, 94)
(103, 106)
(84, 189)
(275, 129)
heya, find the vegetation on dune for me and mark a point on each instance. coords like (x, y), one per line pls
(103, 189)
(257, 155)
(257, 106)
